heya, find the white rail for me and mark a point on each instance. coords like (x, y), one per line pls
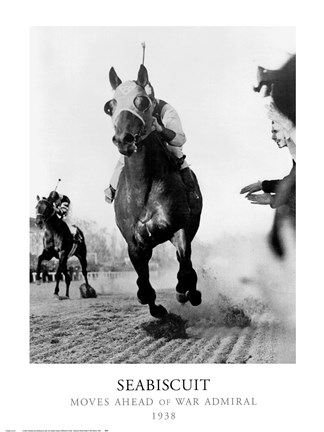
(91, 275)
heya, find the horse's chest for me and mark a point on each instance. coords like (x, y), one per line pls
(57, 242)
(145, 215)
(52, 240)
(152, 224)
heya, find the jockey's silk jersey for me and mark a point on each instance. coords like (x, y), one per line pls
(64, 199)
(168, 117)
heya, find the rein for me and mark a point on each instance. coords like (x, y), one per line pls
(139, 137)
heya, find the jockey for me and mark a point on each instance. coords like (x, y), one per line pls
(166, 121)
(61, 205)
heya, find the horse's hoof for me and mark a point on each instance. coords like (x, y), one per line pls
(38, 282)
(56, 295)
(141, 301)
(158, 311)
(87, 291)
(92, 292)
(194, 298)
(182, 297)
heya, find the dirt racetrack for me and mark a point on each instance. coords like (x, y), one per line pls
(237, 325)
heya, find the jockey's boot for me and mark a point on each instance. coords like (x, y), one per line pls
(189, 183)
(110, 193)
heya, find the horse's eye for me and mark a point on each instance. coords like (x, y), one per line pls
(142, 103)
(110, 106)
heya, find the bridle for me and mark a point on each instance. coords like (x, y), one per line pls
(139, 109)
(41, 214)
(141, 135)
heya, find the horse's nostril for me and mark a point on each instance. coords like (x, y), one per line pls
(129, 138)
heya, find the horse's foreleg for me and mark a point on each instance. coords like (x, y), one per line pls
(83, 261)
(140, 258)
(67, 278)
(45, 255)
(62, 268)
(187, 277)
(39, 266)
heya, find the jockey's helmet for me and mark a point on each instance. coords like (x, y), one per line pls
(53, 196)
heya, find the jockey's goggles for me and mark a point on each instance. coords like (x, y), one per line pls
(142, 103)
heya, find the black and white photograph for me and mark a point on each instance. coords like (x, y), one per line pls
(162, 195)
(161, 268)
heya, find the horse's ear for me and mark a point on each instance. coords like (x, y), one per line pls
(38, 198)
(142, 77)
(114, 79)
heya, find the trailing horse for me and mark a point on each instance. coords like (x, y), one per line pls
(58, 243)
(152, 204)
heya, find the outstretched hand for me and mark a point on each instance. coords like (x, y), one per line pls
(253, 187)
(263, 199)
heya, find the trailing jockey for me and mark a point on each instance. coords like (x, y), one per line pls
(61, 205)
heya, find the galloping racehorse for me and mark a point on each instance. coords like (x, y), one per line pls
(151, 204)
(58, 243)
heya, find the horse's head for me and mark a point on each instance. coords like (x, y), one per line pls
(44, 210)
(131, 111)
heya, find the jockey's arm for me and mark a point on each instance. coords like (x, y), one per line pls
(172, 131)
(63, 206)
(284, 189)
(58, 210)
(270, 186)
